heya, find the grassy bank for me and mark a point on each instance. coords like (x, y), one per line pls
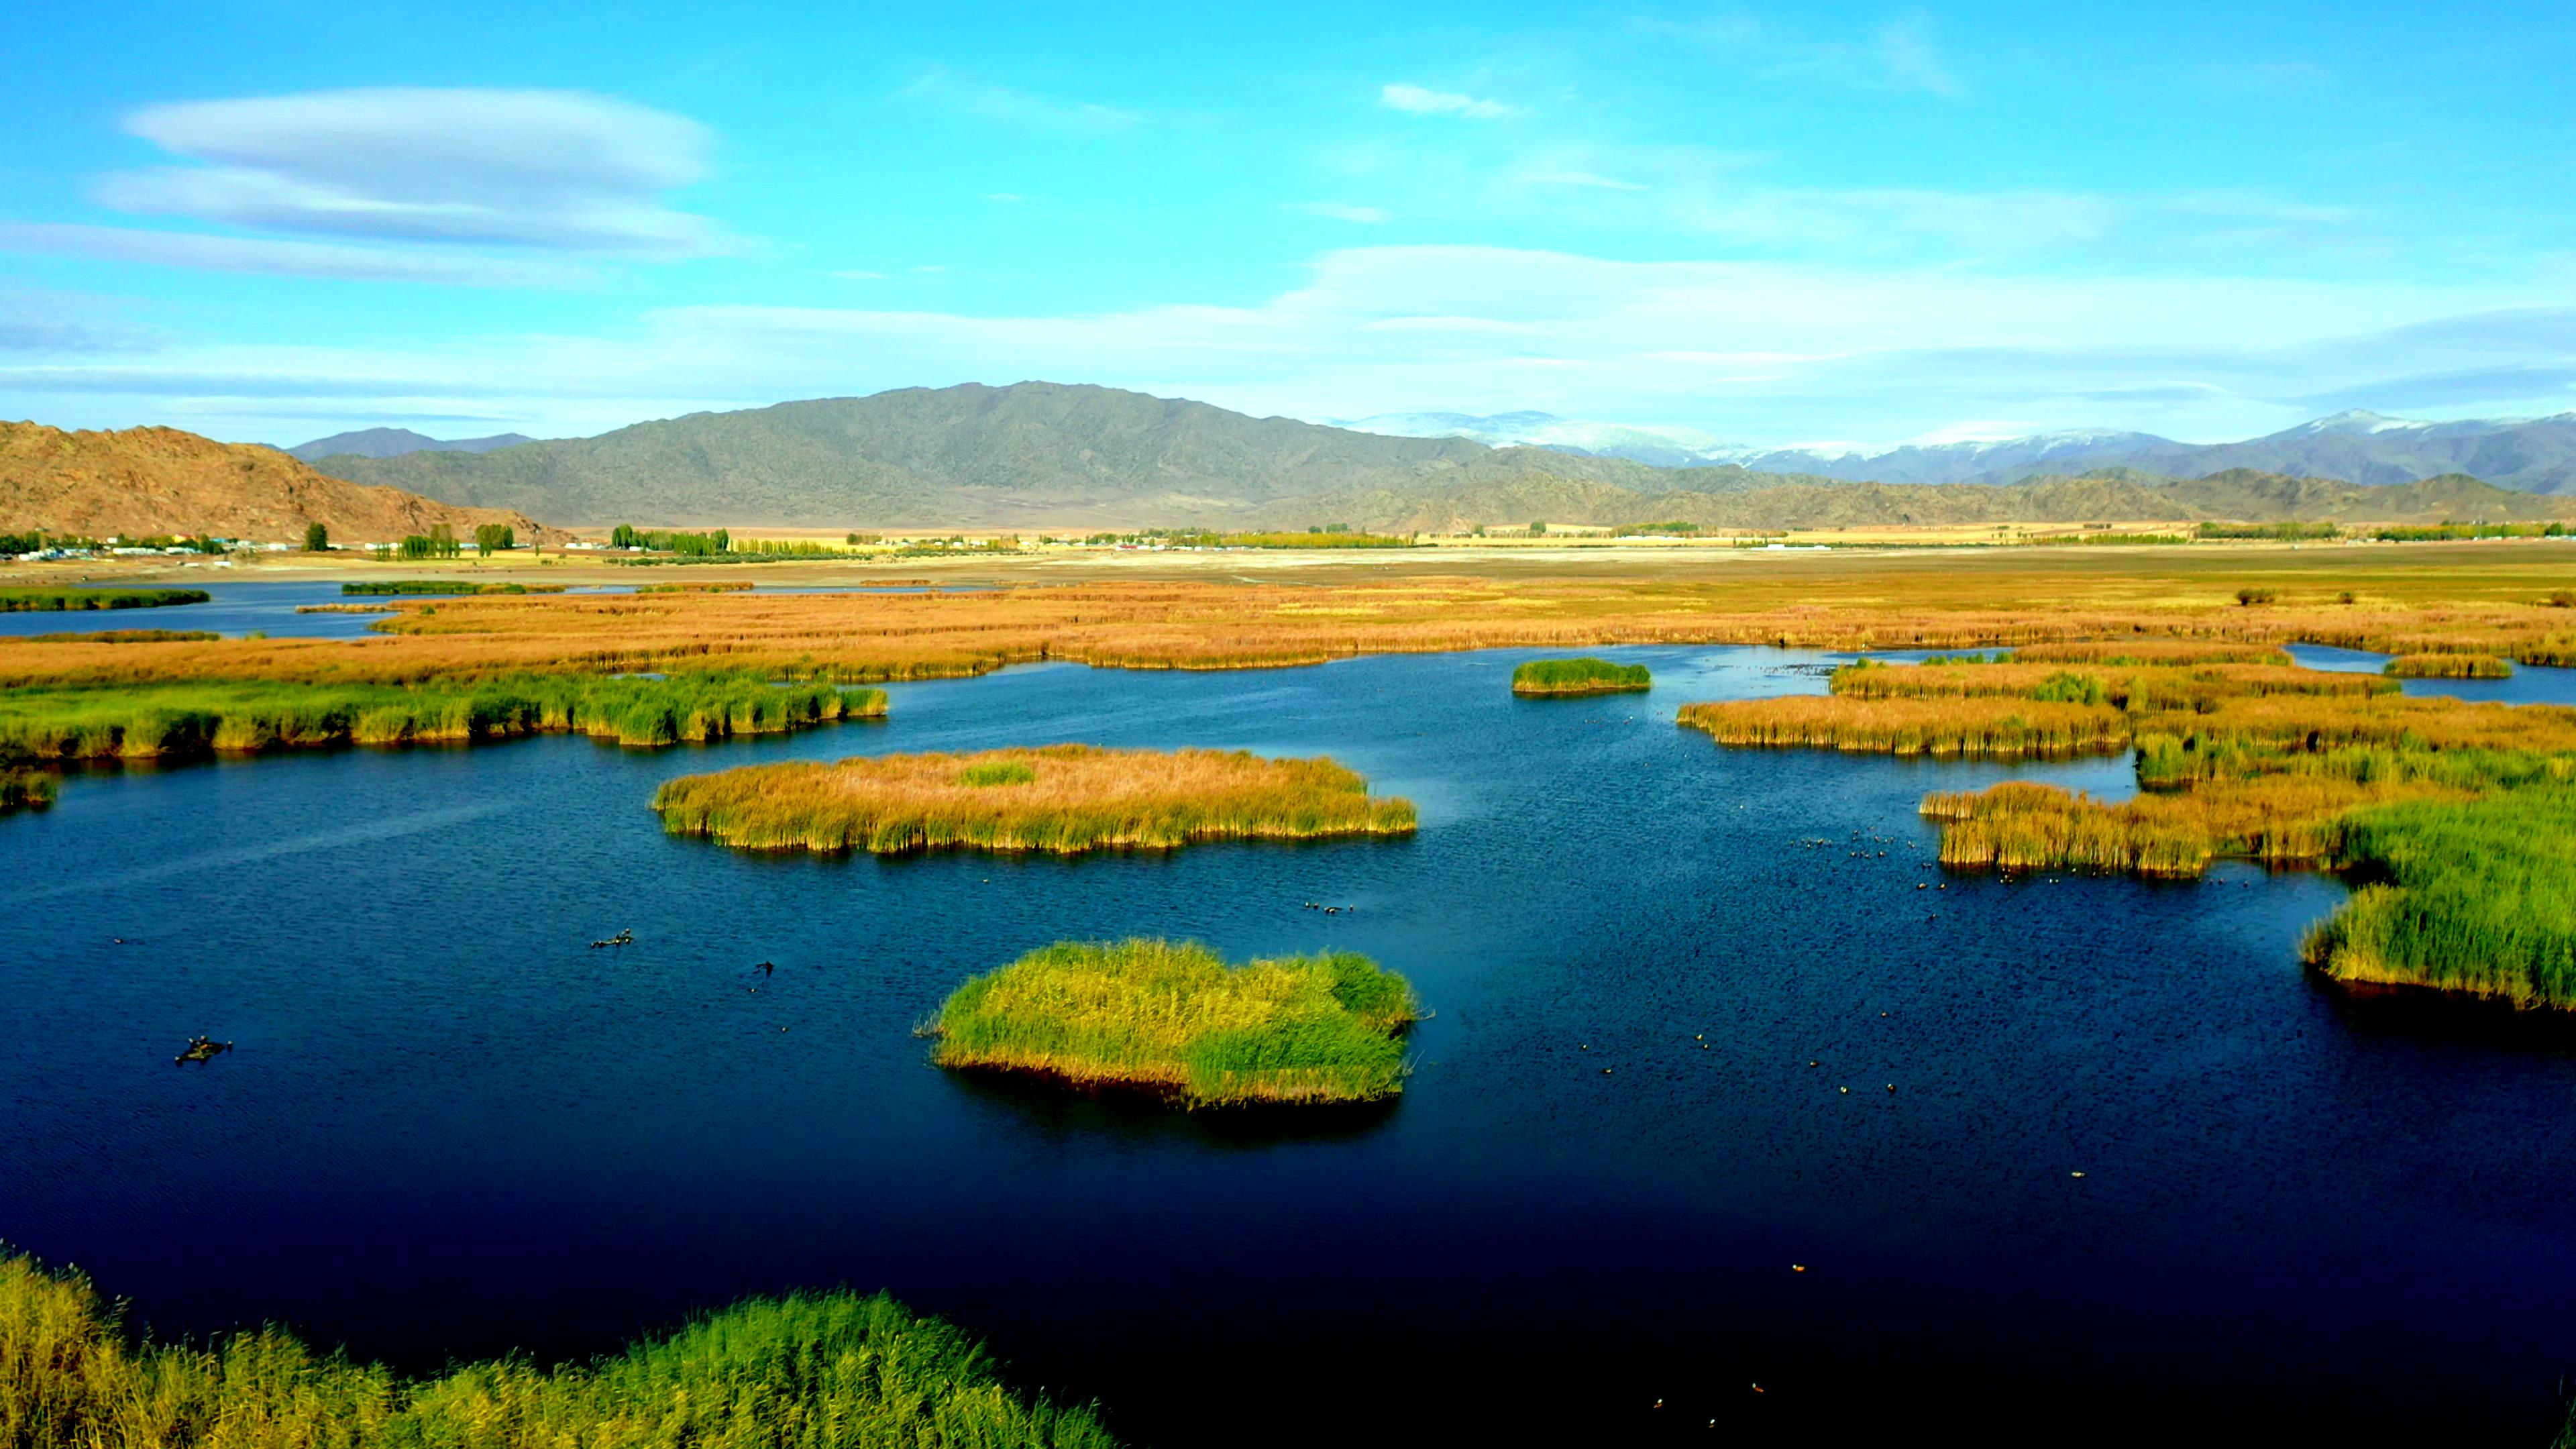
(818, 1371)
(197, 718)
(1175, 1018)
(1059, 798)
(2448, 666)
(2476, 897)
(1579, 676)
(21, 601)
(128, 636)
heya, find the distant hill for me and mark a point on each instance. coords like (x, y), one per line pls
(1030, 453)
(394, 442)
(2531, 455)
(143, 482)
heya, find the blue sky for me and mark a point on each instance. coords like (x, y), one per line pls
(1775, 224)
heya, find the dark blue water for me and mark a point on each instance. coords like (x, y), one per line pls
(270, 607)
(452, 1129)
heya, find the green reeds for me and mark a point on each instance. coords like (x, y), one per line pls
(2151, 651)
(25, 790)
(1173, 1017)
(1579, 676)
(1981, 726)
(1075, 798)
(2476, 896)
(19, 601)
(185, 719)
(817, 1371)
(707, 588)
(2448, 666)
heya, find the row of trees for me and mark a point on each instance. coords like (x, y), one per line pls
(659, 540)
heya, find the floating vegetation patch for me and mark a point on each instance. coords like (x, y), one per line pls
(25, 790)
(20, 601)
(836, 1370)
(1073, 798)
(1173, 1017)
(446, 586)
(2476, 897)
(1543, 677)
(2448, 666)
(184, 719)
(734, 587)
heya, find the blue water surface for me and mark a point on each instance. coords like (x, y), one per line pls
(452, 1129)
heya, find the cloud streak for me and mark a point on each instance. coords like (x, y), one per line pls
(544, 169)
(325, 260)
(1416, 100)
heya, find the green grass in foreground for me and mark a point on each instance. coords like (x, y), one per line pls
(1058, 798)
(1579, 676)
(2476, 897)
(20, 601)
(1175, 1018)
(446, 586)
(147, 721)
(815, 1371)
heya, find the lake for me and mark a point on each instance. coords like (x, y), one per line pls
(452, 1129)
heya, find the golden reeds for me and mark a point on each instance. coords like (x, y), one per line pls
(1998, 726)
(1057, 798)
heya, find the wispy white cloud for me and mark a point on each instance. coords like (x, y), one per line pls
(1899, 55)
(1016, 107)
(555, 169)
(330, 260)
(1342, 211)
(1416, 100)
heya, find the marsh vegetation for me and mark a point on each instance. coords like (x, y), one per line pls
(1174, 1018)
(1058, 798)
(2449, 666)
(1542, 677)
(19, 601)
(823, 1370)
(152, 721)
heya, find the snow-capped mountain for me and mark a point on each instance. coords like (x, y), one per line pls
(2533, 455)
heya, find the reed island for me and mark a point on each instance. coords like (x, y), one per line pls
(71, 600)
(2455, 820)
(1063, 799)
(1567, 678)
(837, 1370)
(1174, 1018)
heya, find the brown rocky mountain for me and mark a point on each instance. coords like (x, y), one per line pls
(142, 482)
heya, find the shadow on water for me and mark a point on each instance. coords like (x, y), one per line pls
(1133, 1117)
(2417, 1015)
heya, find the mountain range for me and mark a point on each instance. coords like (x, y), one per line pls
(1048, 455)
(2532, 455)
(394, 442)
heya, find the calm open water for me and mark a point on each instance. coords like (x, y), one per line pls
(452, 1129)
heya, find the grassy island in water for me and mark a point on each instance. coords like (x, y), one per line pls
(2453, 817)
(821, 1371)
(20, 601)
(198, 717)
(1558, 677)
(1173, 1017)
(1059, 798)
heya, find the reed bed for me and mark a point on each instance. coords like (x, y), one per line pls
(1174, 1018)
(129, 636)
(2280, 820)
(2476, 897)
(1545, 677)
(833, 1370)
(189, 719)
(735, 587)
(2151, 651)
(1987, 727)
(1062, 799)
(2449, 666)
(22, 601)
(2486, 600)
(25, 790)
